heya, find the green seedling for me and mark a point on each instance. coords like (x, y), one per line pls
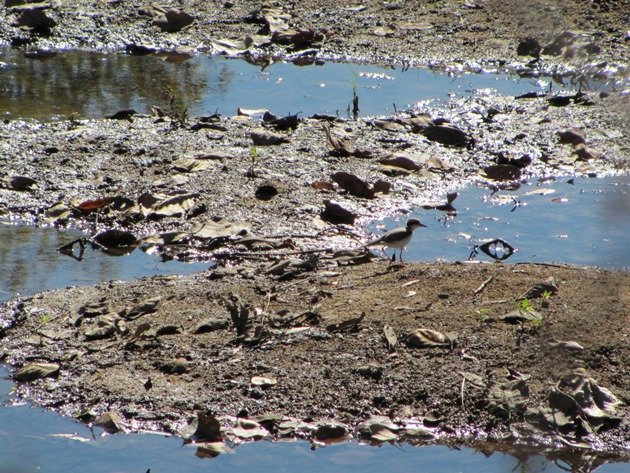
(525, 306)
(355, 101)
(177, 111)
(44, 319)
(254, 154)
(73, 120)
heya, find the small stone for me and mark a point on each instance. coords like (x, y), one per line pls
(211, 325)
(176, 366)
(36, 371)
(111, 422)
(529, 47)
(573, 137)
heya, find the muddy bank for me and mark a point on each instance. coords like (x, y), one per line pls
(340, 345)
(171, 182)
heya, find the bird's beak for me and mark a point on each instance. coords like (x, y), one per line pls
(422, 225)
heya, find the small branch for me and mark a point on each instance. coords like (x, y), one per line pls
(484, 285)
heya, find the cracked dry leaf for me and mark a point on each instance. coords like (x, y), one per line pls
(263, 381)
(425, 338)
(221, 229)
(390, 337)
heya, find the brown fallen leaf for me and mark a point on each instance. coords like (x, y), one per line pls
(353, 184)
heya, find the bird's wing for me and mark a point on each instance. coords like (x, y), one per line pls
(387, 238)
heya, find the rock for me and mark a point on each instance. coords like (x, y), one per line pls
(111, 422)
(20, 183)
(329, 431)
(573, 137)
(168, 330)
(264, 381)
(167, 19)
(35, 371)
(448, 135)
(211, 325)
(335, 213)
(518, 316)
(400, 161)
(426, 338)
(508, 399)
(173, 20)
(556, 47)
(502, 172)
(144, 307)
(107, 326)
(353, 184)
(585, 153)
(371, 370)
(35, 18)
(114, 238)
(262, 138)
(175, 366)
(529, 47)
(17, 3)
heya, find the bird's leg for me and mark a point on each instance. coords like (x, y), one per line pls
(386, 255)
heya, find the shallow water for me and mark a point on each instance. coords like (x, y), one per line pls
(96, 85)
(29, 262)
(33, 440)
(585, 223)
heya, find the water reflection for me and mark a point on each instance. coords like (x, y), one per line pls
(48, 85)
(586, 222)
(29, 262)
(34, 440)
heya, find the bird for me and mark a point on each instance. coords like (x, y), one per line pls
(398, 237)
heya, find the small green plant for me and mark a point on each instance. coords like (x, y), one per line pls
(73, 121)
(177, 111)
(355, 101)
(254, 155)
(547, 294)
(44, 319)
(525, 306)
(483, 313)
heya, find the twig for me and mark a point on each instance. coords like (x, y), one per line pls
(245, 254)
(484, 285)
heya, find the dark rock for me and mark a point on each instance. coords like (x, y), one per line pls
(176, 366)
(36, 19)
(114, 238)
(335, 213)
(529, 47)
(210, 325)
(573, 137)
(173, 20)
(448, 135)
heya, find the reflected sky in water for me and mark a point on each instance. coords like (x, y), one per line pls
(97, 85)
(585, 223)
(30, 443)
(30, 262)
